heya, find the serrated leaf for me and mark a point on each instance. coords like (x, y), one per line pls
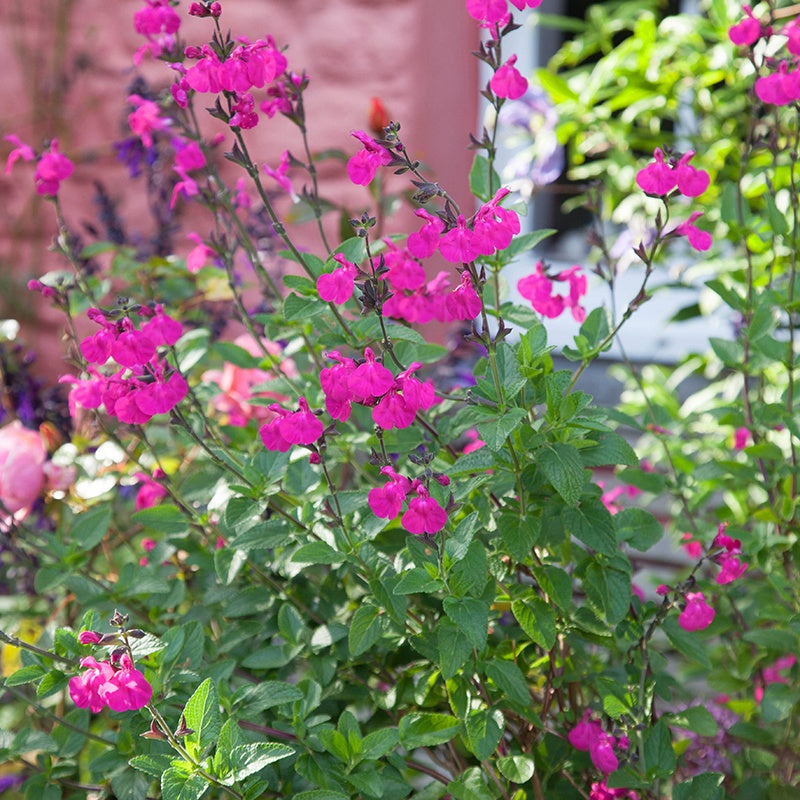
(236, 355)
(697, 719)
(261, 696)
(418, 580)
(52, 683)
(419, 729)
(317, 553)
(365, 629)
(153, 764)
(471, 615)
(483, 180)
(90, 528)
(484, 730)
(453, 647)
(496, 430)
(477, 461)
(179, 785)
(519, 534)
(164, 518)
(25, 675)
(611, 449)
(562, 465)
(658, 753)
(517, 769)
(378, 743)
(592, 524)
(509, 679)
(247, 759)
(609, 590)
(639, 528)
(537, 619)
(202, 715)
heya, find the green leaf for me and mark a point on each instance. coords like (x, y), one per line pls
(25, 675)
(52, 683)
(247, 759)
(508, 677)
(611, 449)
(89, 528)
(555, 86)
(365, 629)
(299, 309)
(537, 619)
(519, 534)
(152, 764)
(562, 465)
(233, 354)
(164, 518)
(639, 528)
(320, 794)
(729, 353)
(692, 644)
(471, 786)
(472, 617)
(176, 784)
(317, 553)
(482, 182)
(267, 694)
(454, 648)
(527, 241)
(130, 785)
(517, 769)
(658, 753)
(469, 575)
(608, 589)
(476, 461)
(419, 729)
(593, 525)
(697, 719)
(378, 743)
(418, 581)
(496, 430)
(484, 730)
(778, 702)
(203, 716)
(706, 786)
(556, 583)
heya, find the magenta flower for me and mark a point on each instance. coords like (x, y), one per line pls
(746, 32)
(464, 303)
(403, 270)
(697, 615)
(337, 286)
(335, 382)
(589, 735)
(86, 689)
(740, 438)
(657, 178)
(772, 674)
(487, 10)
(520, 4)
(692, 182)
(301, 426)
(270, 432)
(361, 168)
(127, 689)
(281, 176)
(424, 514)
(538, 289)
(423, 243)
(20, 151)
(150, 492)
(89, 637)
(698, 239)
(386, 501)
(508, 82)
(370, 379)
(458, 245)
(53, 167)
(132, 348)
(199, 255)
(146, 119)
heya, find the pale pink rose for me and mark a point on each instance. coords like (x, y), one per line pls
(236, 383)
(22, 457)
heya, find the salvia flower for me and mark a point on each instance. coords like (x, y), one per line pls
(361, 167)
(424, 514)
(697, 615)
(747, 31)
(508, 82)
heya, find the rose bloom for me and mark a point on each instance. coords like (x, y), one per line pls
(22, 476)
(236, 384)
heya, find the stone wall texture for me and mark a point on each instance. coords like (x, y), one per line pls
(67, 68)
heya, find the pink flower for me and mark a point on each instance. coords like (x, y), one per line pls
(464, 303)
(699, 240)
(538, 289)
(22, 459)
(576, 281)
(692, 548)
(772, 674)
(150, 492)
(301, 426)
(589, 735)
(697, 615)
(423, 243)
(86, 689)
(199, 255)
(53, 167)
(281, 176)
(145, 119)
(361, 168)
(732, 568)
(386, 501)
(487, 10)
(657, 178)
(746, 32)
(508, 82)
(520, 4)
(779, 88)
(370, 379)
(270, 432)
(335, 382)
(458, 245)
(89, 637)
(20, 151)
(127, 689)
(692, 182)
(424, 514)
(740, 438)
(337, 286)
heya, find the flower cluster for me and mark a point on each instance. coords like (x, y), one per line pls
(158, 22)
(395, 400)
(102, 684)
(732, 567)
(588, 735)
(52, 166)
(145, 385)
(290, 427)
(697, 615)
(423, 514)
(495, 12)
(538, 289)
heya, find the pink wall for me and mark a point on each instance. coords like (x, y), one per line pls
(67, 63)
